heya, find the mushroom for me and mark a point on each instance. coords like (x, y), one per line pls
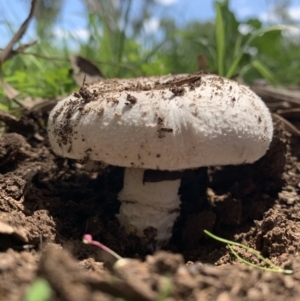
(170, 123)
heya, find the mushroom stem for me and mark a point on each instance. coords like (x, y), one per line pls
(148, 205)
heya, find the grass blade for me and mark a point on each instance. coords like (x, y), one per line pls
(234, 66)
(264, 71)
(271, 266)
(220, 39)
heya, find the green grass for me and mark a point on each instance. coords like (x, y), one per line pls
(39, 290)
(267, 265)
(44, 70)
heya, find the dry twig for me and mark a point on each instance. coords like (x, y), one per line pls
(6, 52)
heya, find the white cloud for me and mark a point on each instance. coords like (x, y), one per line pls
(294, 13)
(151, 25)
(270, 16)
(166, 2)
(245, 9)
(79, 33)
(244, 12)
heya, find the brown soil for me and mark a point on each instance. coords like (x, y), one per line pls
(48, 203)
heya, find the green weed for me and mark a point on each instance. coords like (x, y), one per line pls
(271, 267)
(39, 290)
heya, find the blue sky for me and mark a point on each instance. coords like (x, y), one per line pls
(71, 19)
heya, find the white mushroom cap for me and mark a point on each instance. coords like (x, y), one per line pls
(141, 123)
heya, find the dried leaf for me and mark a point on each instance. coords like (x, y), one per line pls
(22, 125)
(287, 125)
(278, 105)
(202, 62)
(271, 94)
(186, 81)
(8, 118)
(9, 91)
(290, 113)
(45, 106)
(84, 70)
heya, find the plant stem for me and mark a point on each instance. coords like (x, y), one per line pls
(272, 267)
(88, 239)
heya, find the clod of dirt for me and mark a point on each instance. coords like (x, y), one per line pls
(13, 147)
(165, 276)
(17, 271)
(18, 232)
(275, 235)
(177, 91)
(13, 186)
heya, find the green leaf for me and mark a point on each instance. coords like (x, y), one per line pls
(265, 30)
(4, 107)
(39, 290)
(254, 23)
(257, 33)
(237, 45)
